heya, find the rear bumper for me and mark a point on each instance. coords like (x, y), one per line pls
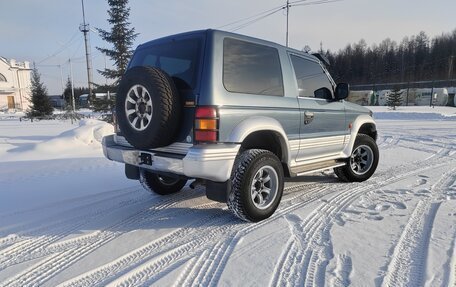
(211, 162)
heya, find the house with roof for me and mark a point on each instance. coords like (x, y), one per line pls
(15, 84)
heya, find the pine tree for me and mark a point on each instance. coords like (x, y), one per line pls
(67, 95)
(121, 36)
(105, 104)
(41, 105)
(394, 98)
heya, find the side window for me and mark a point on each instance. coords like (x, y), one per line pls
(251, 68)
(312, 80)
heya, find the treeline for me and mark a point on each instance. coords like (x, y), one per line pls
(416, 58)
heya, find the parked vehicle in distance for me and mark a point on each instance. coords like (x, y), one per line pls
(237, 115)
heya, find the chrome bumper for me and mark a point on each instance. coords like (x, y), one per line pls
(211, 162)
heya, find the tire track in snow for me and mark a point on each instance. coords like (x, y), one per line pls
(20, 233)
(173, 252)
(73, 203)
(151, 270)
(451, 279)
(222, 257)
(344, 267)
(70, 168)
(408, 264)
(40, 225)
(31, 244)
(389, 142)
(312, 259)
(200, 266)
(48, 267)
(213, 274)
(348, 190)
(166, 243)
(319, 262)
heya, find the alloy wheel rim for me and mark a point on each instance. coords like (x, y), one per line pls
(138, 107)
(361, 160)
(264, 187)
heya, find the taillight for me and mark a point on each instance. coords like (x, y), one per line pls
(206, 124)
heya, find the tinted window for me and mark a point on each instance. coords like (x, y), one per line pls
(180, 58)
(312, 80)
(251, 68)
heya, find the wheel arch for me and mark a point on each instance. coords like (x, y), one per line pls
(362, 124)
(368, 129)
(263, 133)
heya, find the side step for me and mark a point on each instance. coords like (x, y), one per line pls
(314, 167)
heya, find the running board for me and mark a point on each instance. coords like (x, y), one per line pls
(314, 167)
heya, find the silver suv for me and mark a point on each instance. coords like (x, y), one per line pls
(237, 115)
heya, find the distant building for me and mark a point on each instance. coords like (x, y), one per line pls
(15, 85)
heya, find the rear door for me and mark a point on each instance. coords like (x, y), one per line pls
(322, 125)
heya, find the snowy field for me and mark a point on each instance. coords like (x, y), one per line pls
(69, 217)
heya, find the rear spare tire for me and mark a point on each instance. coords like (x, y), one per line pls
(148, 107)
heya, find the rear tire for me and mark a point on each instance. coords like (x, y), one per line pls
(363, 161)
(257, 185)
(159, 184)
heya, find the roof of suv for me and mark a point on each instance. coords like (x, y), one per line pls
(229, 34)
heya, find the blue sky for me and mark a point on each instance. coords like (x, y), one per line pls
(37, 30)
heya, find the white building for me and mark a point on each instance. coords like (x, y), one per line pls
(15, 85)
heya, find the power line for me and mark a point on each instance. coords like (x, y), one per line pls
(316, 2)
(77, 49)
(247, 21)
(61, 49)
(255, 20)
(250, 17)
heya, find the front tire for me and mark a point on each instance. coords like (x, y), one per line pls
(257, 187)
(159, 184)
(363, 161)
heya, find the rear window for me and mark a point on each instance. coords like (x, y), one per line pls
(251, 68)
(179, 58)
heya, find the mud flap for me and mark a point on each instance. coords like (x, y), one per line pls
(131, 171)
(218, 191)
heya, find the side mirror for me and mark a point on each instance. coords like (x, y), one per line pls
(342, 91)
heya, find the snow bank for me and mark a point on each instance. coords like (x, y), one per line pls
(414, 113)
(82, 141)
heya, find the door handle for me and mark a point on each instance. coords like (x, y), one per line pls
(308, 117)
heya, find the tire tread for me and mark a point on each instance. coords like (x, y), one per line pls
(240, 168)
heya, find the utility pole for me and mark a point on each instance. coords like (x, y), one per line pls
(61, 79)
(84, 27)
(288, 12)
(63, 87)
(72, 88)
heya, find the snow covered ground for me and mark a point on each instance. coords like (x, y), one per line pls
(69, 217)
